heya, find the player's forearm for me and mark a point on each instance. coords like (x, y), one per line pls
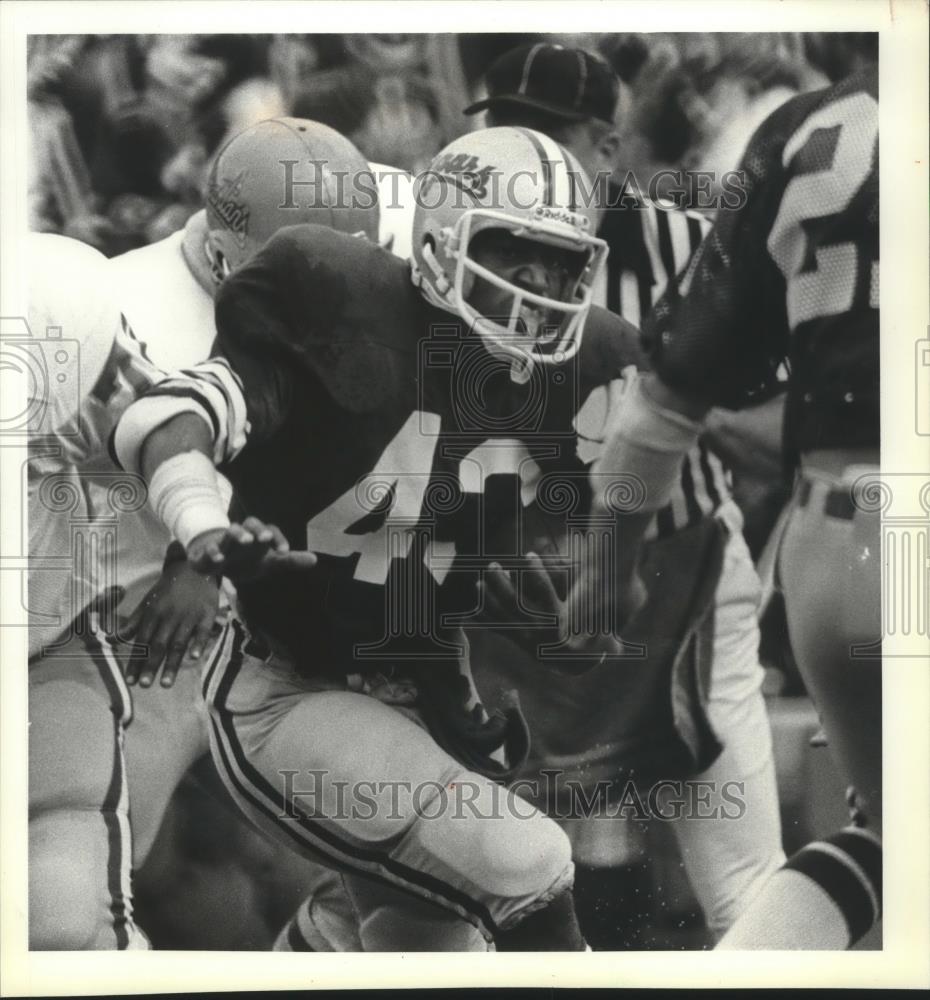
(651, 430)
(749, 440)
(691, 406)
(184, 489)
(184, 433)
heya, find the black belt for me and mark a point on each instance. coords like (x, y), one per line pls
(837, 502)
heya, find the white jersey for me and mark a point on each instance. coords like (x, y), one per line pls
(78, 500)
(97, 531)
(168, 308)
(396, 203)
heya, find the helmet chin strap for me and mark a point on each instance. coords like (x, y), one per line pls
(196, 254)
(521, 371)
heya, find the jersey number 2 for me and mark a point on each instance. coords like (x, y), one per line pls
(828, 288)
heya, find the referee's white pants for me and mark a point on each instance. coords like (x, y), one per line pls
(729, 859)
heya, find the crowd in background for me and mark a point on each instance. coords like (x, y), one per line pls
(124, 126)
(123, 130)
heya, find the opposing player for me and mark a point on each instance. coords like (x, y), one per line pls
(385, 427)
(797, 266)
(79, 706)
(80, 864)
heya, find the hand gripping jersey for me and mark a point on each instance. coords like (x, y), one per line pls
(383, 436)
(791, 274)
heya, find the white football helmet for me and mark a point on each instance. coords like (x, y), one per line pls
(522, 182)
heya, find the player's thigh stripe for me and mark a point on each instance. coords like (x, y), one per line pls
(265, 797)
(101, 653)
(247, 800)
(117, 843)
(116, 673)
(115, 806)
(843, 881)
(220, 654)
(237, 784)
(253, 785)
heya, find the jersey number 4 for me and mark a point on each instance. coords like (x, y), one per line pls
(398, 482)
(392, 496)
(829, 287)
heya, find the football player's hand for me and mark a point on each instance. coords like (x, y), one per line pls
(247, 551)
(538, 616)
(175, 617)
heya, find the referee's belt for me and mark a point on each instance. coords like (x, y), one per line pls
(834, 500)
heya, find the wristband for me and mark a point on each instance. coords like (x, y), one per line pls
(185, 494)
(646, 444)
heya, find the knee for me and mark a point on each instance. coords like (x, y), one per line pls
(70, 904)
(512, 851)
(67, 909)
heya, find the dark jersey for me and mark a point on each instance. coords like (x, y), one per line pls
(790, 275)
(386, 438)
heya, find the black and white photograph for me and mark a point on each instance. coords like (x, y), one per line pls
(465, 491)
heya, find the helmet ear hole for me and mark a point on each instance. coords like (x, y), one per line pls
(219, 263)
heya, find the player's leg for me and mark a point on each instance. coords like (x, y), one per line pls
(829, 893)
(167, 736)
(348, 913)
(80, 848)
(352, 781)
(833, 607)
(325, 921)
(729, 857)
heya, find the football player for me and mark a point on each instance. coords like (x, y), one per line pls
(79, 706)
(797, 265)
(386, 424)
(168, 290)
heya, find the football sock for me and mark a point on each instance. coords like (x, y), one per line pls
(826, 897)
(553, 928)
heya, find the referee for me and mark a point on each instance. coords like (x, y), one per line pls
(572, 96)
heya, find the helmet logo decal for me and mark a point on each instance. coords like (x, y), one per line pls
(575, 219)
(225, 200)
(463, 171)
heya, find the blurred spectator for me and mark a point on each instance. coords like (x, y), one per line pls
(397, 97)
(123, 127)
(695, 99)
(839, 53)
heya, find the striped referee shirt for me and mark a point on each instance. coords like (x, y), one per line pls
(649, 246)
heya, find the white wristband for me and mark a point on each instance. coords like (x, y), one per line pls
(185, 494)
(644, 451)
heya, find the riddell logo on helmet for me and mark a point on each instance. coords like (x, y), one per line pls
(562, 215)
(464, 172)
(223, 199)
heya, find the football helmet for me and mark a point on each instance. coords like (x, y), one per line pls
(284, 172)
(526, 184)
